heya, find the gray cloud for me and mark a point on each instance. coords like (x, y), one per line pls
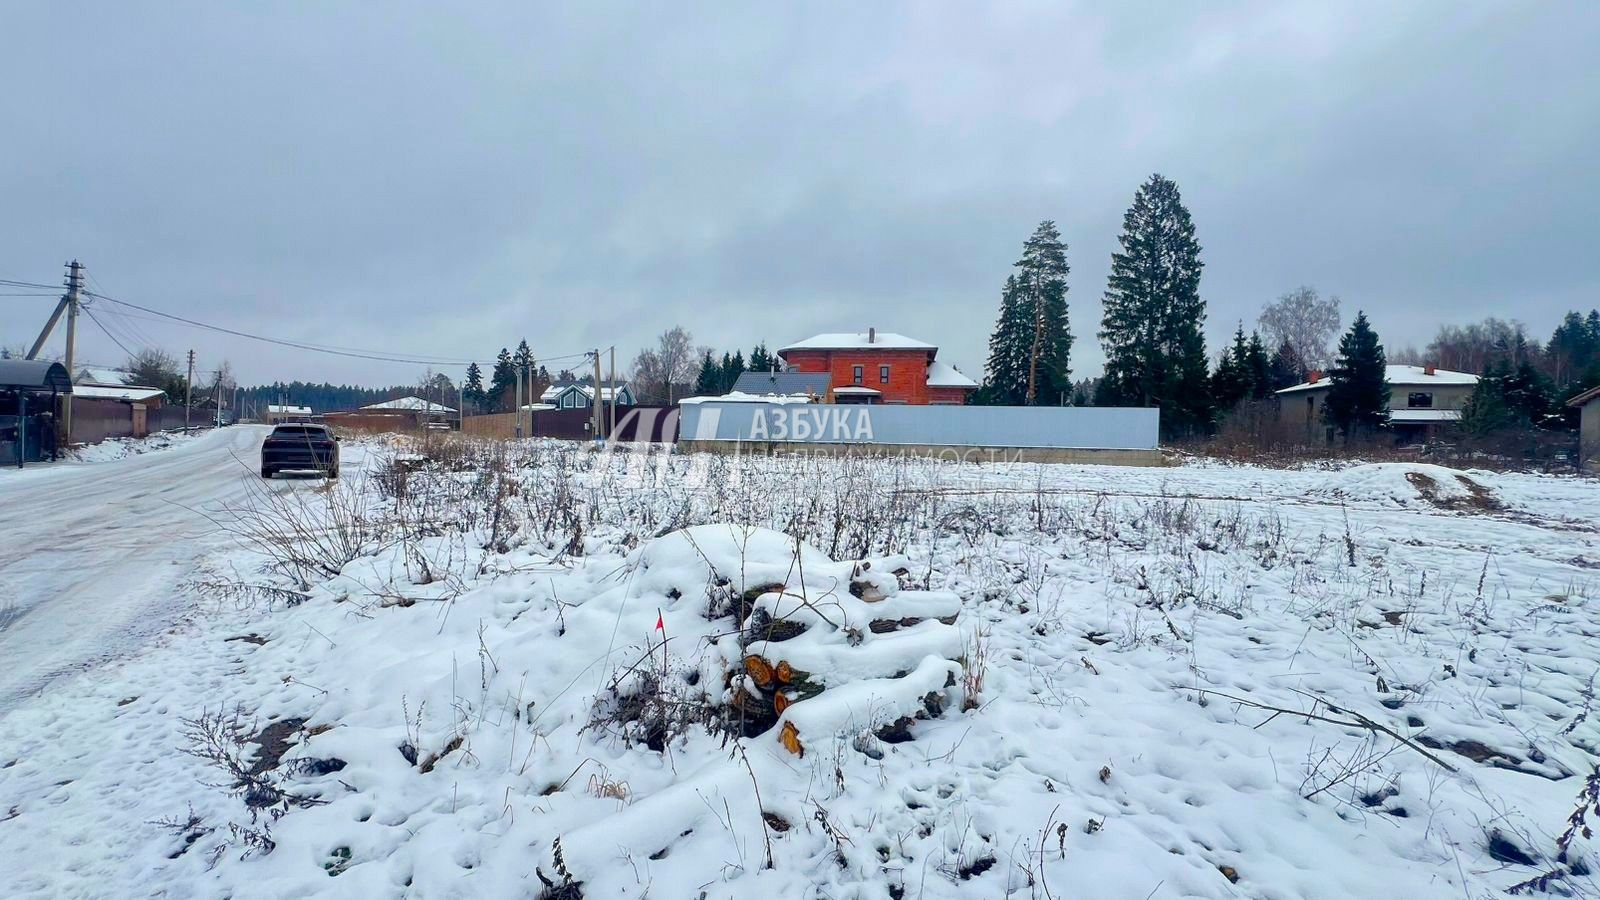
(445, 183)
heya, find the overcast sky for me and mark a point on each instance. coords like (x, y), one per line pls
(443, 179)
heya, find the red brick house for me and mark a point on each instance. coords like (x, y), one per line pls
(879, 367)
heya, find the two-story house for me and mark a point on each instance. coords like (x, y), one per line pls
(1422, 400)
(879, 367)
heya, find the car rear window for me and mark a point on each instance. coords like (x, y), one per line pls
(299, 431)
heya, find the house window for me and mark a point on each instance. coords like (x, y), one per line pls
(1419, 400)
(856, 374)
(883, 374)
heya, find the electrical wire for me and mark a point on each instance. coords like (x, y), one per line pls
(31, 284)
(95, 319)
(126, 324)
(352, 352)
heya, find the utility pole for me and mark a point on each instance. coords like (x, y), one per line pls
(598, 403)
(217, 422)
(69, 305)
(74, 287)
(611, 425)
(517, 409)
(188, 393)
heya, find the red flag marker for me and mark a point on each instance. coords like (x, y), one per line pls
(661, 624)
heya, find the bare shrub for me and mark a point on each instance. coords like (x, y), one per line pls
(306, 536)
(221, 739)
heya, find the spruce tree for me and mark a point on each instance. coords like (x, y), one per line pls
(709, 381)
(1358, 391)
(1485, 411)
(1232, 383)
(1006, 373)
(1259, 366)
(1529, 394)
(1151, 328)
(761, 360)
(734, 370)
(503, 381)
(472, 389)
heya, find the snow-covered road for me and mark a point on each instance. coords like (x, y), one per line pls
(92, 556)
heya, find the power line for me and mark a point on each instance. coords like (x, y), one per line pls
(352, 352)
(31, 284)
(125, 323)
(90, 313)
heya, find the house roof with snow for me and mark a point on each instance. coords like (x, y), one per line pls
(103, 375)
(741, 397)
(130, 393)
(281, 410)
(945, 375)
(608, 389)
(1401, 376)
(859, 340)
(411, 404)
(783, 383)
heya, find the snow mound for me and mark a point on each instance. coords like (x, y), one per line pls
(113, 449)
(1410, 485)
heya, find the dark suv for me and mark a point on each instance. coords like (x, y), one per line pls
(305, 447)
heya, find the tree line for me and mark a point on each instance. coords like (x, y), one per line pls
(1152, 334)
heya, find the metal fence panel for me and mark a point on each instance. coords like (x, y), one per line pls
(1071, 427)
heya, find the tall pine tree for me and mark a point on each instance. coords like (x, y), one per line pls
(1030, 352)
(1042, 280)
(1151, 329)
(1358, 390)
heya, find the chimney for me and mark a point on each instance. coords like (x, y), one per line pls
(1429, 369)
(1314, 376)
(872, 335)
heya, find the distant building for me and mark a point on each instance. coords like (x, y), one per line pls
(580, 394)
(1588, 404)
(879, 367)
(283, 413)
(412, 405)
(1422, 400)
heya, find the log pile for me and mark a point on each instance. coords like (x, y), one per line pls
(814, 657)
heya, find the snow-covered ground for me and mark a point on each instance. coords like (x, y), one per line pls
(93, 554)
(1046, 681)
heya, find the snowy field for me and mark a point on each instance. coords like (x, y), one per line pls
(443, 677)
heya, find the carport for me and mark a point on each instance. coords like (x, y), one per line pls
(28, 392)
